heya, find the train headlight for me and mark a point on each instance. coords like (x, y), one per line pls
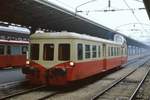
(27, 62)
(71, 64)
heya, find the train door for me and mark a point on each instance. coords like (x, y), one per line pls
(104, 56)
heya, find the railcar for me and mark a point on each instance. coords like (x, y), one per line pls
(58, 58)
(13, 47)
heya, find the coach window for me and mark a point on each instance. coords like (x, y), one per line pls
(34, 52)
(115, 51)
(24, 49)
(99, 51)
(64, 52)
(87, 51)
(80, 51)
(8, 49)
(125, 51)
(1, 49)
(109, 52)
(48, 53)
(112, 51)
(94, 51)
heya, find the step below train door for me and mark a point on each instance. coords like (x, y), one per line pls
(104, 57)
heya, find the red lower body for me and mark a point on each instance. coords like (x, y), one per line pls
(63, 73)
(12, 61)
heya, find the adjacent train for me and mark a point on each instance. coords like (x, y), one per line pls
(13, 47)
(58, 58)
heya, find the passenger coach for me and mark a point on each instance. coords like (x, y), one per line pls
(58, 58)
(13, 47)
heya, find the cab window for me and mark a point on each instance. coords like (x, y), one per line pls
(34, 52)
(48, 53)
(64, 52)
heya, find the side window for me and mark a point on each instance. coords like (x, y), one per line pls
(109, 51)
(112, 51)
(16, 49)
(34, 54)
(8, 50)
(48, 52)
(94, 51)
(115, 51)
(2, 47)
(87, 51)
(64, 52)
(126, 51)
(99, 51)
(24, 49)
(80, 51)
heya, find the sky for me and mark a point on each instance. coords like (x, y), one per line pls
(133, 23)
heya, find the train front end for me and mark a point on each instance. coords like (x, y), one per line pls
(50, 60)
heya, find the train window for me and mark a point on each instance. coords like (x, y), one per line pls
(8, 50)
(48, 53)
(108, 51)
(15, 50)
(99, 51)
(112, 51)
(80, 51)
(34, 52)
(115, 53)
(87, 51)
(94, 51)
(24, 49)
(119, 52)
(2, 47)
(126, 51)
(64, 52)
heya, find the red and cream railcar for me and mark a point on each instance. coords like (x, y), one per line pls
(61, 57)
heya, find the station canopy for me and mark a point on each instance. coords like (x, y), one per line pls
(147, 6)
(43, 14)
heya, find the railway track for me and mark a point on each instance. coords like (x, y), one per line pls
(12, 84)
(39, 93)
(20, 92)
(109, 92)
(142, 92)
(86, 92)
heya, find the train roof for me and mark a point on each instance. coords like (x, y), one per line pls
(13, 42)
(70, 35)
(15, 30)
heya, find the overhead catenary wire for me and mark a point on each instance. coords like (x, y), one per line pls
(134, 14)
(110, 8)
